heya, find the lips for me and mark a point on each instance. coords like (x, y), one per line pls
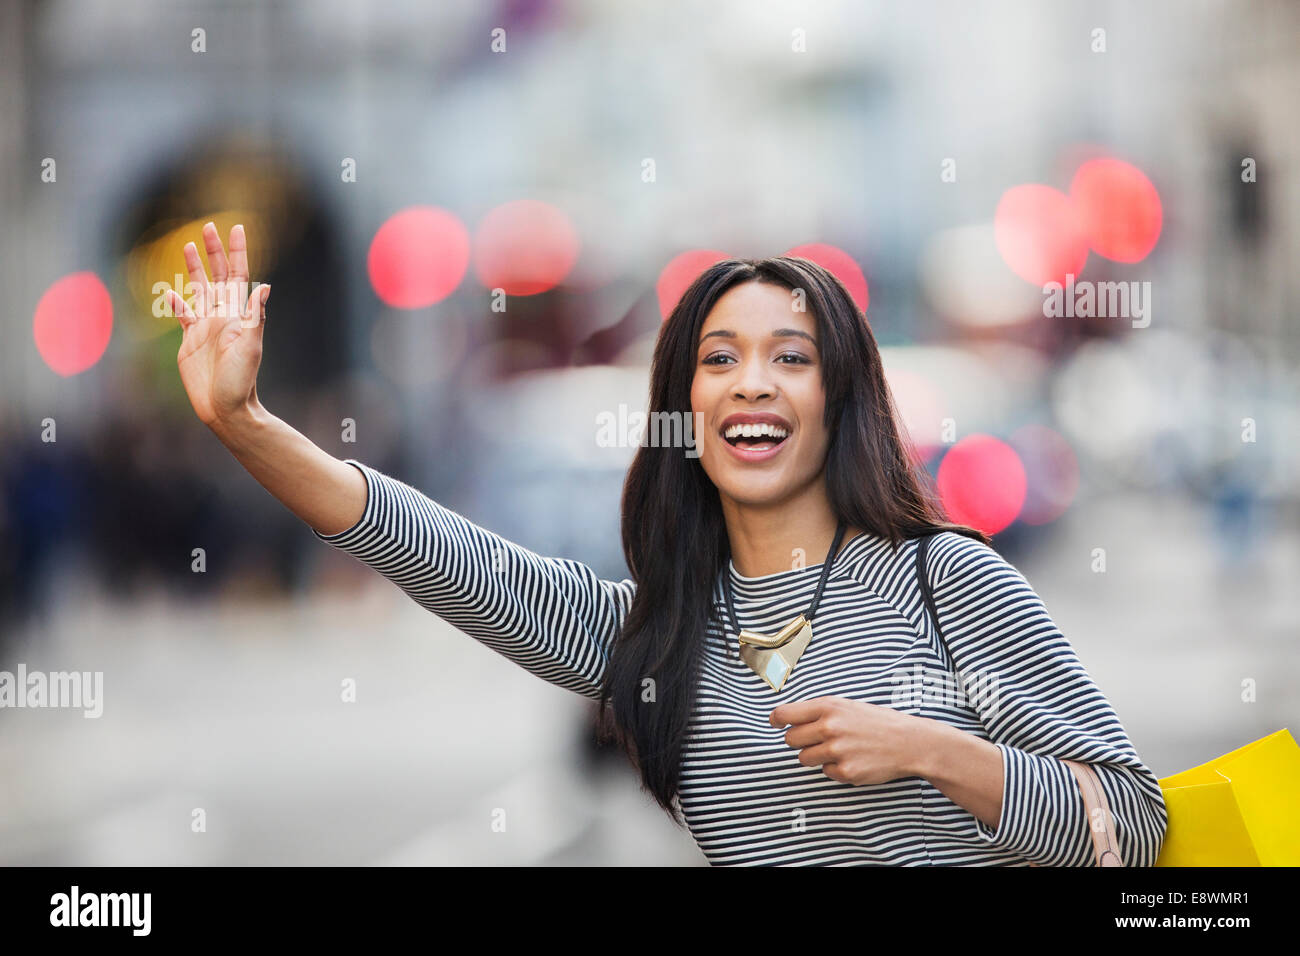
(754, 436)
(754, 418)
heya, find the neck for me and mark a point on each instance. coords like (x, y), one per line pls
(772, 538)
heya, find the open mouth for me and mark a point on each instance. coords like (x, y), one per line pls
(755, 437)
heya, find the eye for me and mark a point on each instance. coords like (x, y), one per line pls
(796, 358)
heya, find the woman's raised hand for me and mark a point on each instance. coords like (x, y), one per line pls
(221, 345)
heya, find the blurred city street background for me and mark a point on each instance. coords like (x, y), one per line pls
(394, 163)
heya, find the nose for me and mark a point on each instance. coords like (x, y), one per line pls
(753, 380)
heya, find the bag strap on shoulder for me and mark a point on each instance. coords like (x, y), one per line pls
(922, 546)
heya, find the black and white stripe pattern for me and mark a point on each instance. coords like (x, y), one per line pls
(744, 794)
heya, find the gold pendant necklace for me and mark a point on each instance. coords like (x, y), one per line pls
(772, 657)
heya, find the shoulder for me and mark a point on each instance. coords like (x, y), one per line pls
(954, 563)
(958, 562)
(985, 602)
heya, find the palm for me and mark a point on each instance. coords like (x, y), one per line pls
(215, 365)
(221, 347)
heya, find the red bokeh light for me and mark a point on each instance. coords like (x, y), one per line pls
(524, 247)
(1039, 234)
(1118, 207)
(418, 257)
(840, 264)
(982, 483)
(73, 323)
(676, 277)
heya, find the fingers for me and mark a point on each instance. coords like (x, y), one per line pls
(805, 735)
(256, 313)
(817, 756)
(180, 308)
(799, 712)
(198, 277)
(238, 255)
(228, 291)
(216, 253)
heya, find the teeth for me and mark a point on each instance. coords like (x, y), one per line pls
(755, 431)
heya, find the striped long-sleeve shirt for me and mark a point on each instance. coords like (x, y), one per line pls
(743, 793)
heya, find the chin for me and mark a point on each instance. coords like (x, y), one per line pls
(756, 492)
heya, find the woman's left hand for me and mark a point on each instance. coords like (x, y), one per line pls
(851, 740)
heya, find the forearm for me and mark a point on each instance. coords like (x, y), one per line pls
(554, 617)
(967, 769)
(326, 493)
(1041, 706)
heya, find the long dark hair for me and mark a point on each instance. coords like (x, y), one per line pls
(674, 536)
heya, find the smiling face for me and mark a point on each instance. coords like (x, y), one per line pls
(758, 367)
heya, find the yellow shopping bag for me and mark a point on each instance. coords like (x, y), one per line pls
(1241, 809)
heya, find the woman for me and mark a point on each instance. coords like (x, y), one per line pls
(843, 745)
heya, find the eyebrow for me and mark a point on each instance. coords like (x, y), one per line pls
(775, 333)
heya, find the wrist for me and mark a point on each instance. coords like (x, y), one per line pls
(929, 742)
(237, 427)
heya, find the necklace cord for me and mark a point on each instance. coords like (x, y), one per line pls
(821, 582)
